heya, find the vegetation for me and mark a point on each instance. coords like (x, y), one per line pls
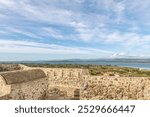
(100, 70)
(9, 67)
(58, 65)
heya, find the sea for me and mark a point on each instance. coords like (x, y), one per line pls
(133, 63)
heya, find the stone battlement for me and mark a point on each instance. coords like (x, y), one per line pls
(71, 83)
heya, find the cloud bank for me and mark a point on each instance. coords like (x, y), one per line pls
(98, 27)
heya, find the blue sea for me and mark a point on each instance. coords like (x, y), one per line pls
(134, 63)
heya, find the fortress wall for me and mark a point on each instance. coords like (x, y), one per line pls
(100, 87)
(64, 79)
(23, 84)
(4, 89)
(58, 92)
(63, 83)
(36, 89)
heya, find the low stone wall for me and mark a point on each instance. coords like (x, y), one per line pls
(58, 92)
(23, 84)
(65, 77)
(98, 87)
(64, 80)
(118, 88)
(36, 89)
(63, 83)
(4, 89)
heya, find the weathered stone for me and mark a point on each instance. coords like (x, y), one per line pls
(63, 83)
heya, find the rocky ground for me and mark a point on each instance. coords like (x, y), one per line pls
(9, 67)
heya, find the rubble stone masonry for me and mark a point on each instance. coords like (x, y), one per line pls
(67, 83)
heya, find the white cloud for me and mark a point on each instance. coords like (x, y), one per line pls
(50, 32)
(91, 26)
(20, 31)
(8, 46)
(84, 24)
(8, 3)
(119, 55)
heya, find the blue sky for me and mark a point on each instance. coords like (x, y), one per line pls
(65, 29)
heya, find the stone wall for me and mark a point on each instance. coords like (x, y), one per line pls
(97, 87)
(23, 84)
(4, 89)
(36, 89)
(118, 88)
(64, 93)
(67, 77)
(63, 83)
(64, 79)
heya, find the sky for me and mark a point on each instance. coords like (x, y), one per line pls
(74, 29)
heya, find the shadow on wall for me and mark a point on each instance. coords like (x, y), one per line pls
(59, 94)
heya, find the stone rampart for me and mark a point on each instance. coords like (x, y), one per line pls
(23, 84)
(66, 80)
(65, 83)
(125, 88)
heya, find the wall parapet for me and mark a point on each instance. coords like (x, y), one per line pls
(79, 84)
